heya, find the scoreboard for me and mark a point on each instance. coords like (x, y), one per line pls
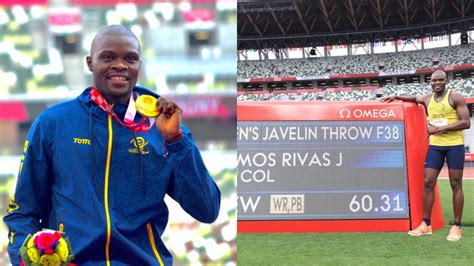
(320, 166)
(349, 169)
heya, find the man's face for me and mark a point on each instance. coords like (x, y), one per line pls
(115, 65)
(438, 82)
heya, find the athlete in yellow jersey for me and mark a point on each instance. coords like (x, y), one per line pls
(448, 116)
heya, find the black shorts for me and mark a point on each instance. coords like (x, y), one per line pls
(436, 155)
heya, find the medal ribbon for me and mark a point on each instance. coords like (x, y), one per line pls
(129, 115)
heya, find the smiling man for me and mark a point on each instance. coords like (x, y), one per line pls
(115, 63)
(448, 116)
(98, 171)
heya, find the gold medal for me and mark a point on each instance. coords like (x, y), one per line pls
(146, 106)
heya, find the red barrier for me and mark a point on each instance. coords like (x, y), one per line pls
(274, 79)
(416, 147)
(13, 111)
(320, 111)
(469, 157)
(322, 226)
(447, 68)
(11, 3)
(361, 88)
(354, 76)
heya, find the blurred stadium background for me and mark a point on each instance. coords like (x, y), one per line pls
(188, 53)
(348, 50)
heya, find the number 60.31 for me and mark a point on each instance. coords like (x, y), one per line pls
(365, 204)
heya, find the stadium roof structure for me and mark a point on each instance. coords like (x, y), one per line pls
(301, 23)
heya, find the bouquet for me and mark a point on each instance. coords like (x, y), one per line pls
(47, 247)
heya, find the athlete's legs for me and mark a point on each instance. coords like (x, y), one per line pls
(433, 163)
(428, 198)
(455, 179)
(431, 175)
(455, 160)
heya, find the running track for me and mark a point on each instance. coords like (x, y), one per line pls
(468, 173)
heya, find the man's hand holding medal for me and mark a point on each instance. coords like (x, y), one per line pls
(167, 114)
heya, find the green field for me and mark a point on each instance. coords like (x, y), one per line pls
(366, 248)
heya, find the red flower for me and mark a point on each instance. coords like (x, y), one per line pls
(49, 251)
(46, 240)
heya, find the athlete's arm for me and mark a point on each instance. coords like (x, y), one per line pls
(32, 200)
(413, 99)
(461, 109)
(190, 184)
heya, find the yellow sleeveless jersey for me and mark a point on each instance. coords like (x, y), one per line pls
(442, 114)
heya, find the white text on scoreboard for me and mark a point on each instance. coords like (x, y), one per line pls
(287, 204)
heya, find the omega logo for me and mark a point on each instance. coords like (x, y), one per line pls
(370, 113)
(345, 113)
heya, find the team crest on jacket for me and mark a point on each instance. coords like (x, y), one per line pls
(138, 143)
(12, 205)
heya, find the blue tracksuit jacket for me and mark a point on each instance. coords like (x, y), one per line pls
(103, 185)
